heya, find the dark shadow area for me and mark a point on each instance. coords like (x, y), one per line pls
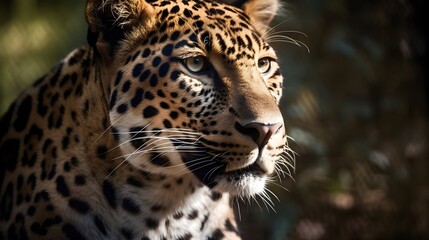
(357, 107)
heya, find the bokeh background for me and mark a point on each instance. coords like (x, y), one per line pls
(356, 105)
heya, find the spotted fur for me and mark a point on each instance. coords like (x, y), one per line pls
(150, 129)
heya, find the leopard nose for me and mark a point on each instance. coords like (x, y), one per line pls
(259, 132)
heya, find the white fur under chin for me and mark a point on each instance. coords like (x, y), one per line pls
(247, 186)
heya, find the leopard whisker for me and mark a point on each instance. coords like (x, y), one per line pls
(185, 147)
(286, 161)
(130, 140)
(212, 158)
(279, 171)
(210, 173)
(264, 195)
(238, 209)
(272, 29)
(290, 138)
(150, 151)
(268, 202)
(155, 132)
(139, 149)
(288, 173)
(119, 145)
(271, 34)
(107, 129)
(257, 202)
(286, 39)
(174, 149)
(117, 167)
(290, 152)
(184, 142)
(206, 163)
(279, 185)
(272, 193)
(170, 130)
(289, 155)
(191, 163)
(284, 173)
(289, 31)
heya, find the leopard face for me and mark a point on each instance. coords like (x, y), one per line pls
(197, 93)
(146, 131)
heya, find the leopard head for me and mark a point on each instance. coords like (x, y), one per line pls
(193, 88)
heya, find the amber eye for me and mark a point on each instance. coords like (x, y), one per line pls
(264, 65)
(196, 64)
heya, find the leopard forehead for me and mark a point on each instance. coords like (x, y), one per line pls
(209, 26)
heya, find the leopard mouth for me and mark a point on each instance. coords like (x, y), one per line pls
(215, 175)
(254, 170)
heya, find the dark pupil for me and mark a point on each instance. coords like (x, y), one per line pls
(197, 61)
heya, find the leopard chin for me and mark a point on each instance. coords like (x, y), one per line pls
(245, 182)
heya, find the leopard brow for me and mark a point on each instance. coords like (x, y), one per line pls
(201, 40)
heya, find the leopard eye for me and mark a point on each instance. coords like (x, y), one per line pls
(196, 64)
(264, 65)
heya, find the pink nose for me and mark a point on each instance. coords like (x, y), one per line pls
(260, 133)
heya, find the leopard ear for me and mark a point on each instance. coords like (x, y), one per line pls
(117, 19)
(261, 12)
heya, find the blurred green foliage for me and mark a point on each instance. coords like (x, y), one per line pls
(35, 35)
(354, 104)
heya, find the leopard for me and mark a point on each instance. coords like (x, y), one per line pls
(151, 129)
